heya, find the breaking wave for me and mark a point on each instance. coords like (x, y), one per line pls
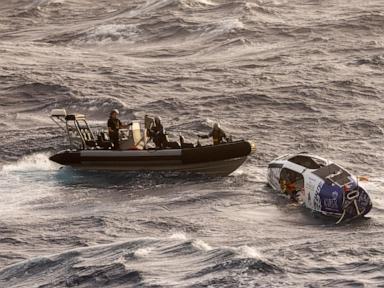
(127, 263)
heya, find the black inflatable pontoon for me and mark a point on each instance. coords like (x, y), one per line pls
(90, 152)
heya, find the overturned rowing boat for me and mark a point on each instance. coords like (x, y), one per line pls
(90, 151)
(320, 185)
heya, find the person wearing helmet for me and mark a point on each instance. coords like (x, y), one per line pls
(114, 124)
(157, 134)
(218, 135)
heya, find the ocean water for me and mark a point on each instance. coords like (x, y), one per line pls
(290, 75)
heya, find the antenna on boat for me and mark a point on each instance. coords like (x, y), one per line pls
(58, 117)
(358, 194)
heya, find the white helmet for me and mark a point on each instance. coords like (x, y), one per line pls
(157, 119)
(115, 111)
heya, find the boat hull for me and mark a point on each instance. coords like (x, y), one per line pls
(212, 160)
(328, 190)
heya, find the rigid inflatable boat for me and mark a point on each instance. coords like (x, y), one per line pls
(90, 150)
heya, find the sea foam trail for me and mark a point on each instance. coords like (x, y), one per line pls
(31, 163)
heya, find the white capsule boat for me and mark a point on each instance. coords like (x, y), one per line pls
(320, 185)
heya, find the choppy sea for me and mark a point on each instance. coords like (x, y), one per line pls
(290, 75)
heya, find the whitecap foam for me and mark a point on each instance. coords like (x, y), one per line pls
(197, 243)
(222, 27)
(229, 25)
(248, 252)
(112, 32)
(143, 252)
(197, 3)
(179, 236)
(33, 162)
(201, 245)
(57, 1)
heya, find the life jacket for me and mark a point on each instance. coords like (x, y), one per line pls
(291, 187)
(114, 124)
(217, 135)
(288, 187)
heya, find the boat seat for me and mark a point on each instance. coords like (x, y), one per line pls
(90, 143)
(173, 145)
(105, 136)
(187, 145)
(103, 140)
(183, 144)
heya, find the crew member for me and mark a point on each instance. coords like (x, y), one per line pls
(157, 133)
(289, 184)
(291, 190)
(114, 124)
(217, 134)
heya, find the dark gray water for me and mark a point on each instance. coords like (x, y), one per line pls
(290, 75)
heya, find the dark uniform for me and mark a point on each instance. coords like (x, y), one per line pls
(114, 125)
(158, 135)
(217, 135)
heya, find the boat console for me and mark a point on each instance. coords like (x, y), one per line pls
(81, 136)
